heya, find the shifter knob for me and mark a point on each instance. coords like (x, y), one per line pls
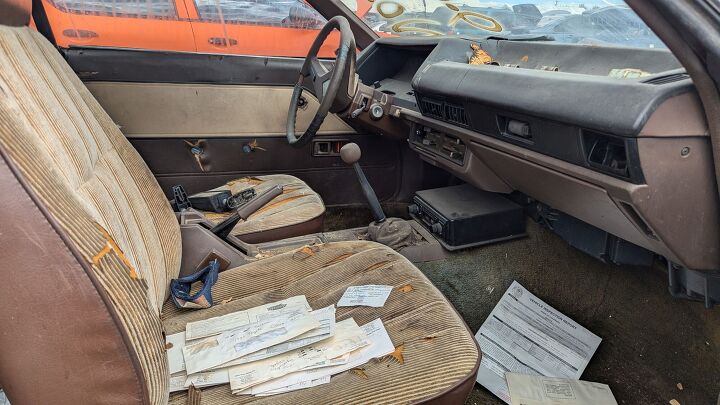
(350, 153)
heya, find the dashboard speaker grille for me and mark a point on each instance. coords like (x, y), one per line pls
(667, 79)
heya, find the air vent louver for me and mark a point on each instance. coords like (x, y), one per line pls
(667, 79)
(446, 111)
(455, 114)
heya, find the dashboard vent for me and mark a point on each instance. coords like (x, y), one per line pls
(435, 108)
(456, 114)
(432, 108)
(667, 79)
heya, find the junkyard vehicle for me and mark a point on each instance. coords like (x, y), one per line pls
(598, 122)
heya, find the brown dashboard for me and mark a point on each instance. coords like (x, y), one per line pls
(630, 157)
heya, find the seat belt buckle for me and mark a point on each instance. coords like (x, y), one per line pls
(180, 201)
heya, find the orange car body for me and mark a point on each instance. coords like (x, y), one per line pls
(178, 27)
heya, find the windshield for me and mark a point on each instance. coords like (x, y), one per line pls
(592, 22)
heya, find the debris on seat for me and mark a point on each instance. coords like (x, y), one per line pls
(365, 295)
(272, 349)
(540, 390)
(541, 341)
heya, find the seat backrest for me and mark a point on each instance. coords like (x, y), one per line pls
(89, 241)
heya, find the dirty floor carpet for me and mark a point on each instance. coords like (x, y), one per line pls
(651, 342)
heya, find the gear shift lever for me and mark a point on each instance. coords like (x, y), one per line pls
(350, 154)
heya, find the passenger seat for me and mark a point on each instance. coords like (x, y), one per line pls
(89, 245)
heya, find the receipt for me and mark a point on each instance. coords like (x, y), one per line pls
(298, 386)
(380, 345)
(348, 337)
(219, 375)
(233, 344)
(217, 325)
(365, 295)
(177, 382)
(539, 390)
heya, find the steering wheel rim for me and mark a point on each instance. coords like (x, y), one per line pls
(327, 83)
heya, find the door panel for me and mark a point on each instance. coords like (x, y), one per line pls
(238, 131)
(223, 159)
(146, 110)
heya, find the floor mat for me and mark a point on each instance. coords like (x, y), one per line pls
(651, 342)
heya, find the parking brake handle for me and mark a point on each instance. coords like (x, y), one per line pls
(350, 154)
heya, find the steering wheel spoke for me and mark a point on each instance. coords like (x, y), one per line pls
(325, 82)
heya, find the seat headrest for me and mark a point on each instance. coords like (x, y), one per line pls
(15, 13)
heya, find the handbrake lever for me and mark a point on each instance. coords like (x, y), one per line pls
(224, 228)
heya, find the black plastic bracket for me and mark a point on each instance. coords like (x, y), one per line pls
(694, 285)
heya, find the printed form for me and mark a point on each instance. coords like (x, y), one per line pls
(525, 335)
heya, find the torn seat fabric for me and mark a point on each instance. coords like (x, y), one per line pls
(81, 215)
(297, 211)
(439, 356)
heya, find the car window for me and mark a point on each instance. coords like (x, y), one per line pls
(285, 28)
(590, 22)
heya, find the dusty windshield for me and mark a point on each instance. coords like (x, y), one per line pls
(595, 22)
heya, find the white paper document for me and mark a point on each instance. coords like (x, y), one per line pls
(299, 386)
(233, 344)
(219, 375)
(348, 337)
(539, 390)
(217, 325)
(177, 382)
(380, 346)
(525, 335)
(365, 295)
(176, 361)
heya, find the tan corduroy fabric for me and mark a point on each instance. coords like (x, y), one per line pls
(86, 175)
(77, 141)
(297, 204)
(437, 349)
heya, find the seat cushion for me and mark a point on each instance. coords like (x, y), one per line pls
(297, 211)
(440, 354)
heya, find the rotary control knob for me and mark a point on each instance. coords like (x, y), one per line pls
(376, 112)
(437, 228)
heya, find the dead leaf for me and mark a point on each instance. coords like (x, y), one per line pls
(674, 402)
(479, 56)
(429, 338)
(360, 372)
(524, 59)
(305, 252)
(397, 355)
(226, 300)
(679, 386)
(168, 346)
(377, 265)
(406, 288)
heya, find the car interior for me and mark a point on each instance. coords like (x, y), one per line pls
(398, 161)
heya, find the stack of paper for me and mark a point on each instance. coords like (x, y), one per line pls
(272, 349)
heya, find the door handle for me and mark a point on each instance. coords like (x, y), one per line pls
(217, 41)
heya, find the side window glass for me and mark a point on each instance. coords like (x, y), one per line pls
(141, 24)
(260, 28)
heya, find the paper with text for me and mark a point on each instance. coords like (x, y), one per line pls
(299, 386)
(348, 337)
(539, 390)
(217, 325)
(525, 335)
(365, 295)
(233, 344)
(380, 346)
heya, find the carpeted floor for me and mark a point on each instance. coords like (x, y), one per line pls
(651, 342)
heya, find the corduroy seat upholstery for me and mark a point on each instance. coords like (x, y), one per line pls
(297, 211)
(87, 259)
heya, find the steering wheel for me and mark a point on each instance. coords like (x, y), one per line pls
(334, 88)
